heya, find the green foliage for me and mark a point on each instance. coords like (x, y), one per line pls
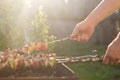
(15, 21)
(51, 46)
(40, 30)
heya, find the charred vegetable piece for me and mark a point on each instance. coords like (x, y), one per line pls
(43, 47)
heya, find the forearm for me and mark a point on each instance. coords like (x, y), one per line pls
(103, 10)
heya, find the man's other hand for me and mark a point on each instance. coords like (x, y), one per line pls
(112, 55)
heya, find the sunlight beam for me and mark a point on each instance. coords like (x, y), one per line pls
(66, 1)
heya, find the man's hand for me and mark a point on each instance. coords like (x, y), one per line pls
(112, 55)
(82, 31)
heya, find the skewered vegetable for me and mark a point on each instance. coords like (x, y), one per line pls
(19, 61)
(24, 57)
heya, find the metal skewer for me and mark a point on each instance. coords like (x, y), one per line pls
(59, 40)
(93, 57)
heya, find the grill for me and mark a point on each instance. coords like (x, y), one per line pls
(61, 72)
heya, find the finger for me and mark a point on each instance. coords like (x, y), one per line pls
(106, 58)
(78, 38)
(74, 39)
(111, 61)
(75, 33)
(84, 38)
(116, 61)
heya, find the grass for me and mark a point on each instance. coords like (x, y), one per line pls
(70, 48)
(88, 70)
(95, 71)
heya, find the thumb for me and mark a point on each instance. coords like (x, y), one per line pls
(75, 33)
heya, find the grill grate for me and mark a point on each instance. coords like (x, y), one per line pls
(61, 72)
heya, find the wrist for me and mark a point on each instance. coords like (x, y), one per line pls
(91, 22)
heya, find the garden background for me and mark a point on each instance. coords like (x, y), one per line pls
(24, 21)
